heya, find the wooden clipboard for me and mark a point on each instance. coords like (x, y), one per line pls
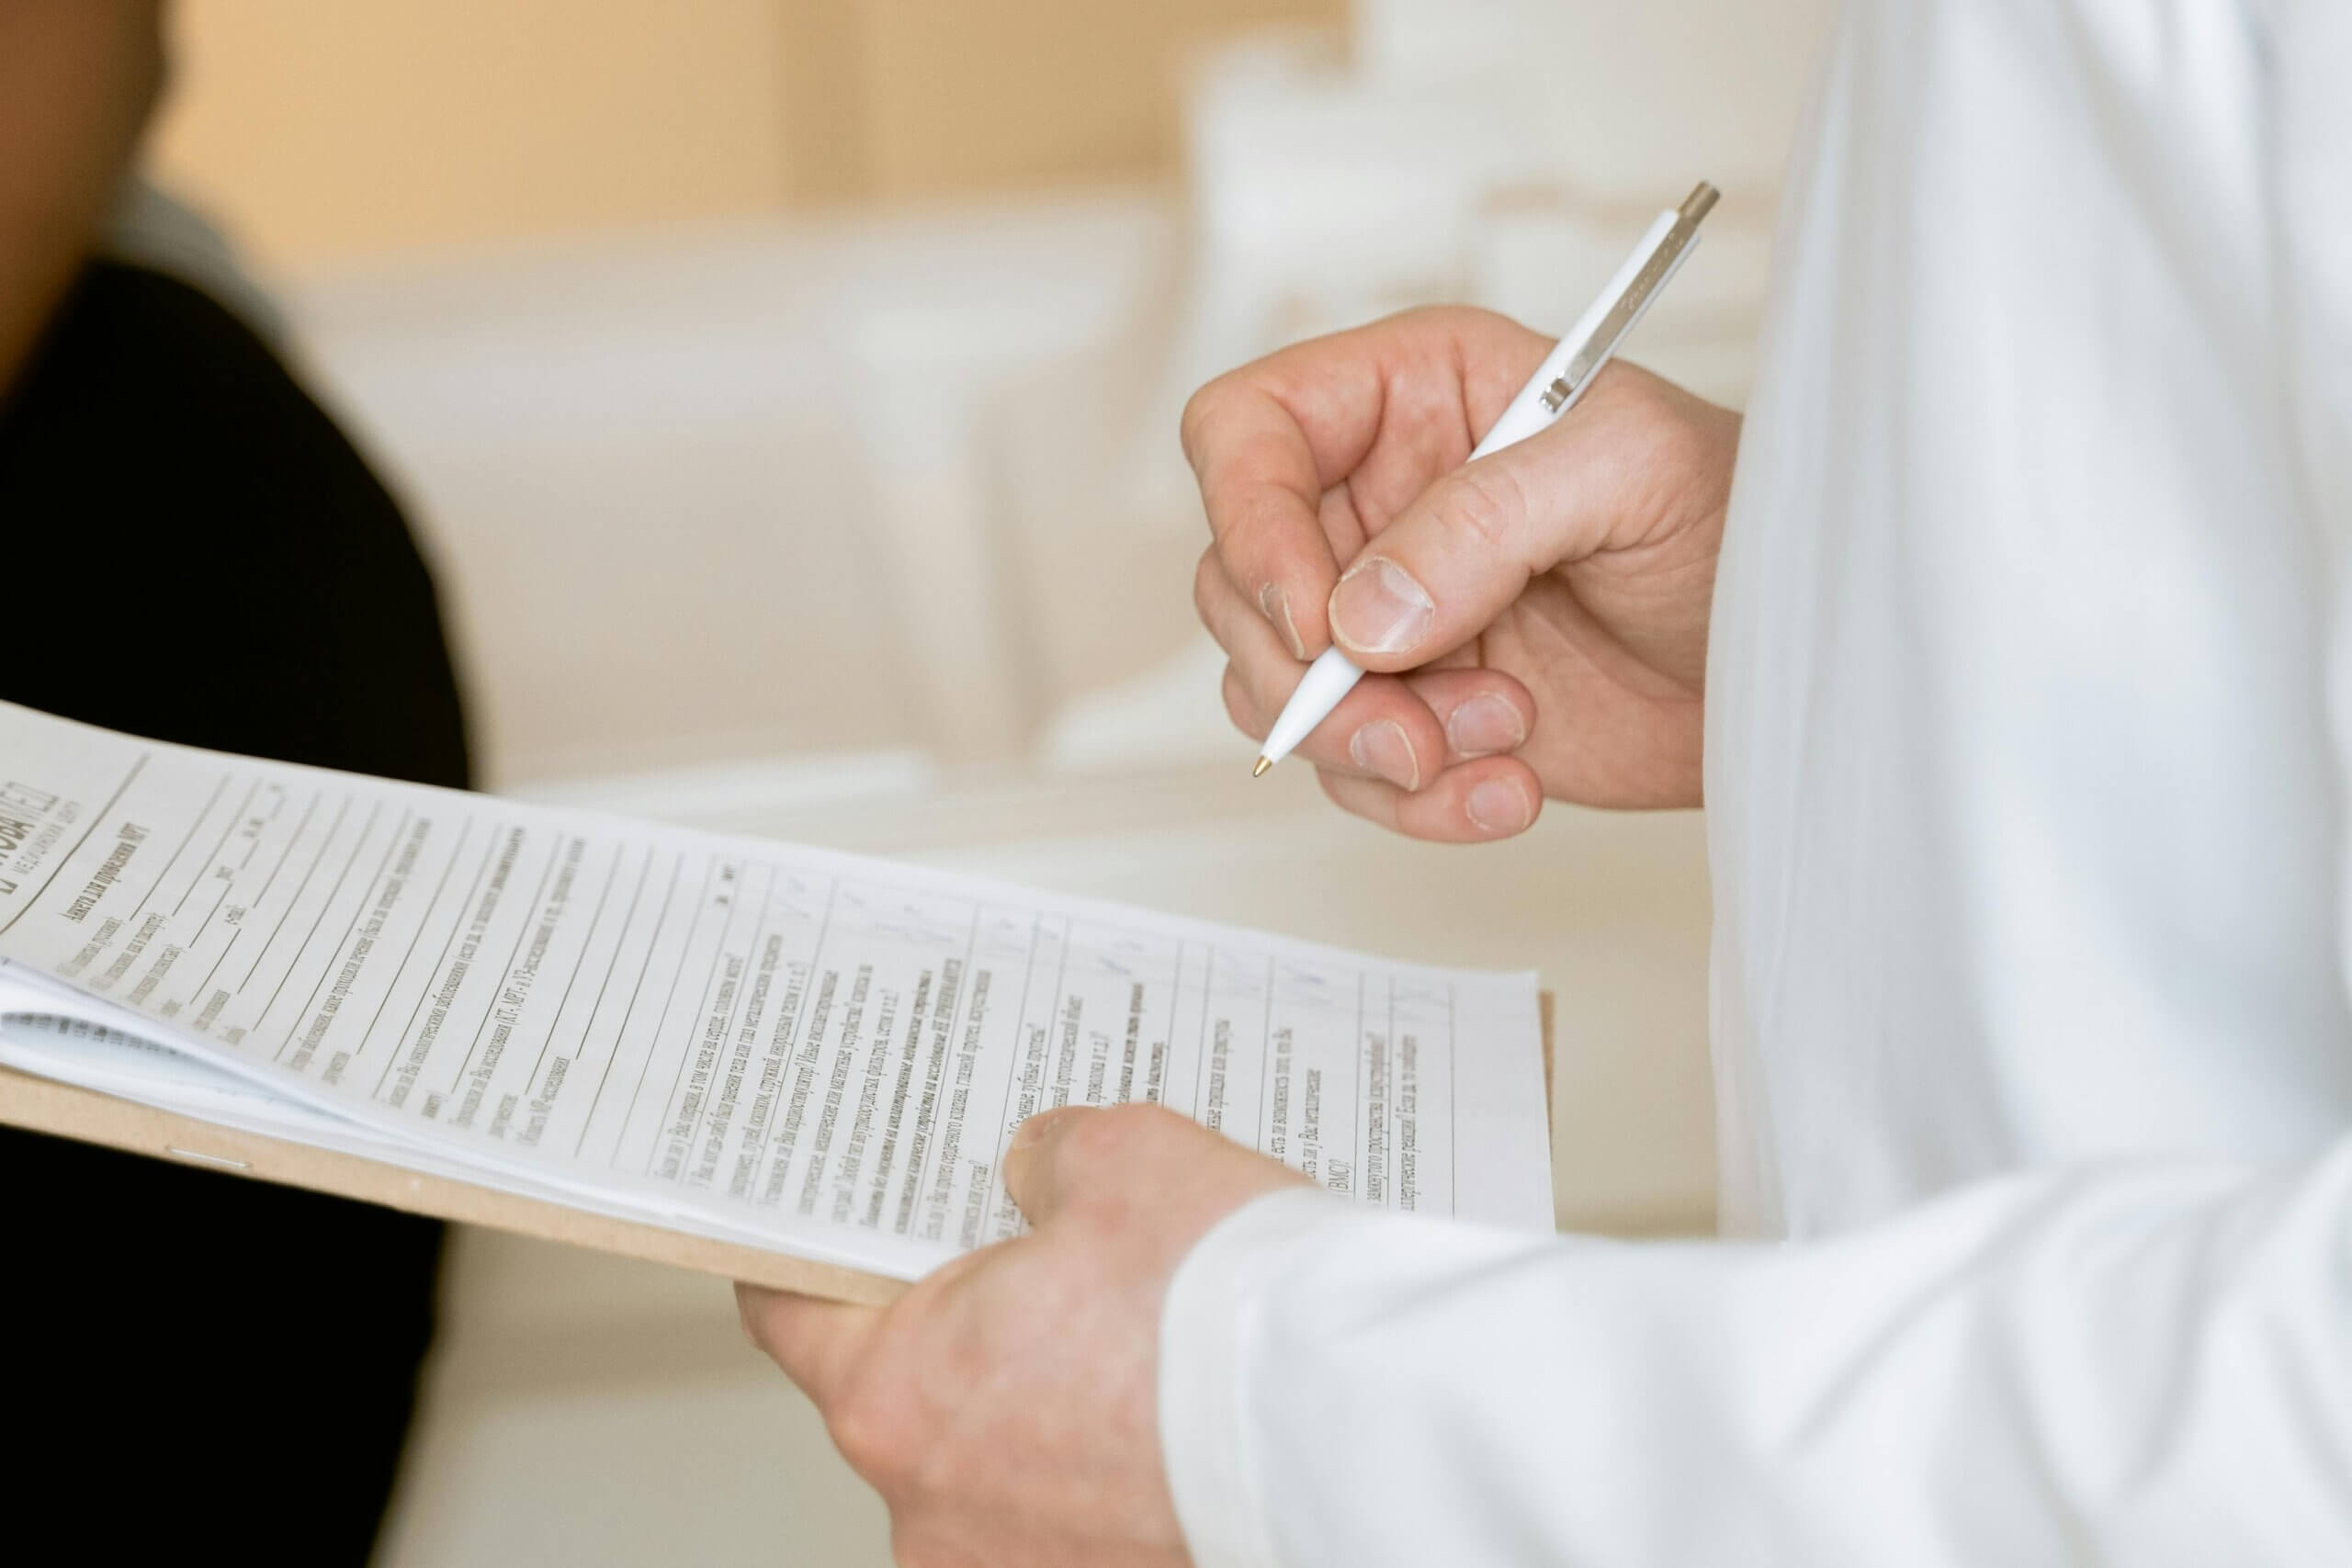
(43, 1106)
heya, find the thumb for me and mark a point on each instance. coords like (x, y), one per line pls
(1440, 572)
(1131, 1158)
(1031, 1174)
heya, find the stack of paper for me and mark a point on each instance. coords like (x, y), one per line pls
(814, 1056)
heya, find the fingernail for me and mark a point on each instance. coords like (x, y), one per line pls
(1032, 1132)
(1381, 748)
(1485, 725)
(1276, 604)
(1378, 608)
(1498, 806)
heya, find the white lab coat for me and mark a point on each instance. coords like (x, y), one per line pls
(2028, 706)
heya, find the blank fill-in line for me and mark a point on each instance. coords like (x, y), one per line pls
(303, 887)
(356, 910)
(644, 966)
(226, 828)
(489, 851)
(185, 839)
(555, 1019)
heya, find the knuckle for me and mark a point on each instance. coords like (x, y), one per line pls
(867, 1427)
(1486, 504)
(1200, 414)
(1440, 319)
(1208, 580)
(1642, 409)
(1240, 709)
(1623, 382)
(1663, 424)
(1081, 1152)
(1096, 1143)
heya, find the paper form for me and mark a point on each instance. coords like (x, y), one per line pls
(818, 1052)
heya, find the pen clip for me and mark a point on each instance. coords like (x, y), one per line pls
(1634, 301)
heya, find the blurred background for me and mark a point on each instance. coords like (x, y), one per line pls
(787, 392)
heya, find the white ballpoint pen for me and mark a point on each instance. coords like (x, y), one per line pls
(1552, 392)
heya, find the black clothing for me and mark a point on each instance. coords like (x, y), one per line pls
(195, 1360)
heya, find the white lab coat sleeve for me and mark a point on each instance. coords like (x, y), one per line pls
(2139, 1364)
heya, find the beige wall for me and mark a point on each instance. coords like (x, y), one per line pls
(970, 94)
(327, 133)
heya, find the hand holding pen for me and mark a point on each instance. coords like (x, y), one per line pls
(1535, 623)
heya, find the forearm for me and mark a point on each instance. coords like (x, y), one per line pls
(78, 79)
(2134, 1365)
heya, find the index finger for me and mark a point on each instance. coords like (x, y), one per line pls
(1305, 455)
(816, 1342)
(1265, 452)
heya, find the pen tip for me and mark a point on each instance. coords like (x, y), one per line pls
(1260, 771)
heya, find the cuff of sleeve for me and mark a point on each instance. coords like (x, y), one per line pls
(1207, 1334)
